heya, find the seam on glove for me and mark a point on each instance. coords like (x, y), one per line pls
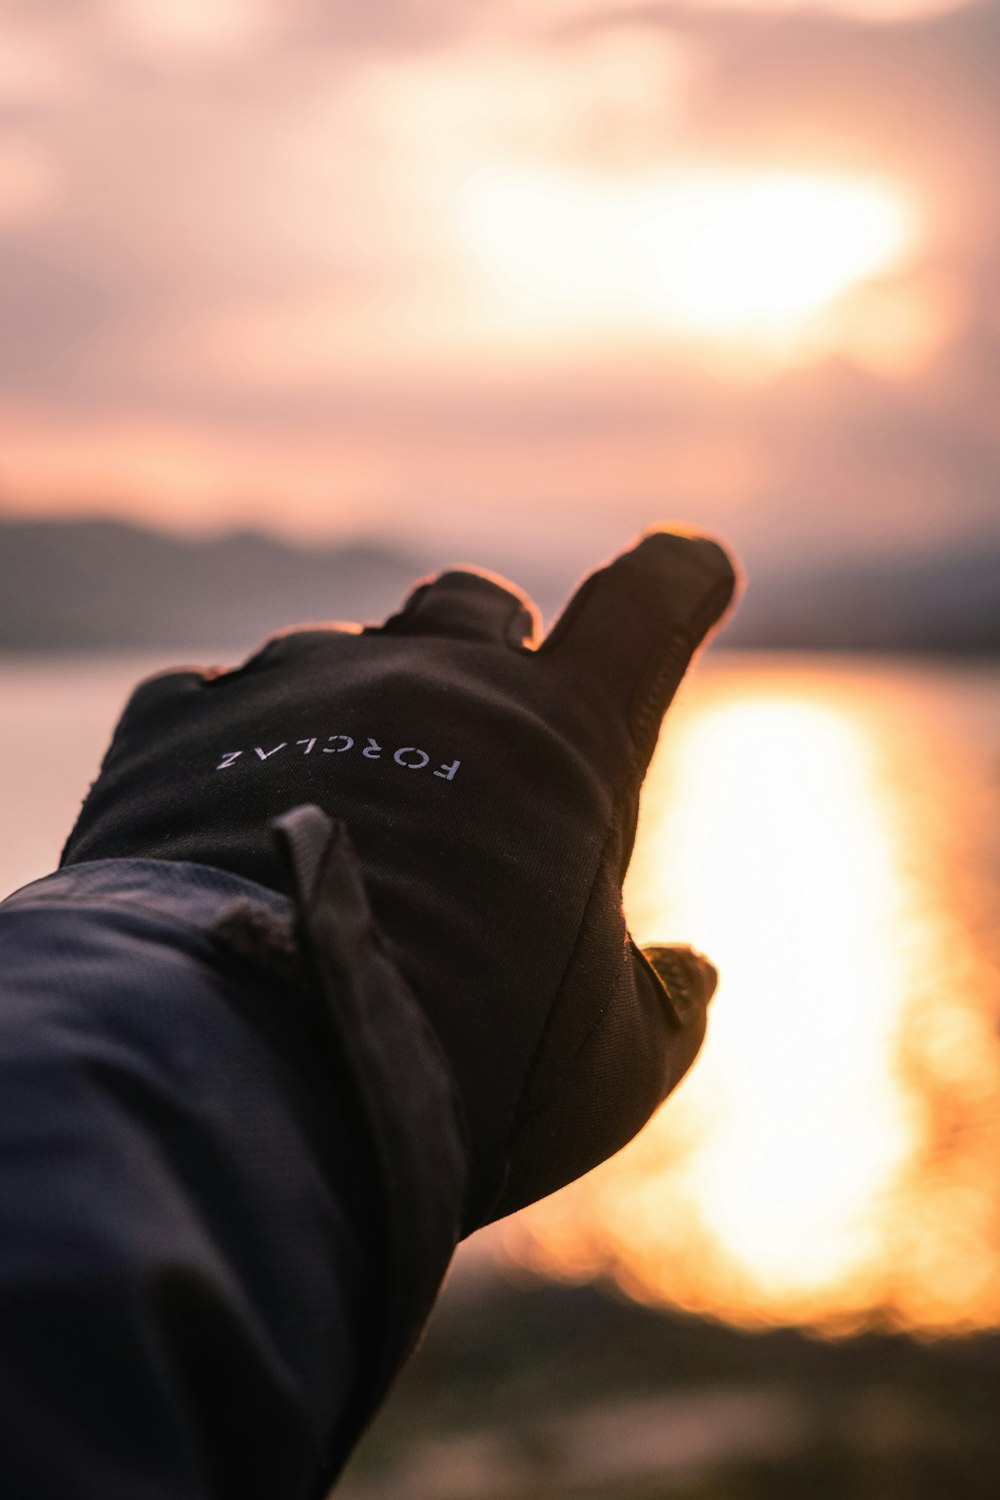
(517, 1117)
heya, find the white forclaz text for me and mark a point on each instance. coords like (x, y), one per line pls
(409, 757)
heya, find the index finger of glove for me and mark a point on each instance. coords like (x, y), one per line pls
(629, 632)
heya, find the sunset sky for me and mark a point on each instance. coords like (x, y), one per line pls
(523, 275)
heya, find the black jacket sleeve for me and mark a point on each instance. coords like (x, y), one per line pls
(232, 1175)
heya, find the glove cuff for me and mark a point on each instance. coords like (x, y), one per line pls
(391, 1063)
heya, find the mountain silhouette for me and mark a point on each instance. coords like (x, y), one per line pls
(108, 585)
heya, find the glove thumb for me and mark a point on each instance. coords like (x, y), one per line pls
(648, 1034)
(687, 981)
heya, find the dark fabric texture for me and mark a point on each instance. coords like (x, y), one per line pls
(189, 1249)
(490, 786)
(397, 1081)
(215, 1249)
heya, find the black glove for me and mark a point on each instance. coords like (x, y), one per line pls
(491, 788)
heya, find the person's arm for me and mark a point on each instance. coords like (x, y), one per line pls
(429, 822)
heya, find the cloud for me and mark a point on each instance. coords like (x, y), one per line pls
(236, 277)
(29, 183)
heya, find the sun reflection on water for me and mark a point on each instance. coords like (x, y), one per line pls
(834, 1156)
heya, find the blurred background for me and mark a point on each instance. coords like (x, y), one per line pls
(300, 300)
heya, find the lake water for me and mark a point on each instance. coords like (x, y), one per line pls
(828, 831)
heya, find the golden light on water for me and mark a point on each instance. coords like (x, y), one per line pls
(834, 1155)
(700, 254)
(796, 833)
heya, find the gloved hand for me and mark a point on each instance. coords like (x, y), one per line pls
(490, 786)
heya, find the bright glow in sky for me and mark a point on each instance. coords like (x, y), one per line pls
(706, 254)
(767, 250)
(514, 273)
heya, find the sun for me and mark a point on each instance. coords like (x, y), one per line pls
(750, 254)
(695, 254)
